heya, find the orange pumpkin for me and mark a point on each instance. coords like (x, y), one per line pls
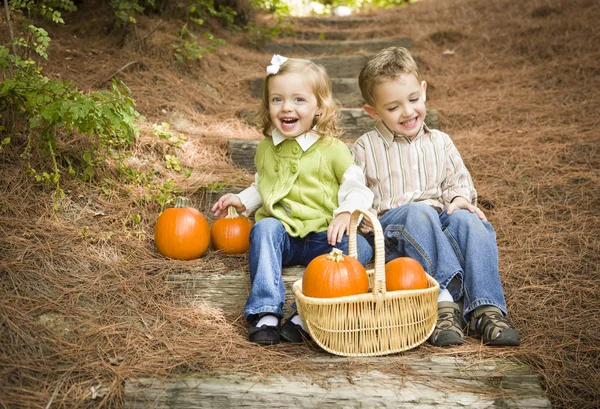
(231, 234)
(334, 275)
(182, 232)
(404, 273)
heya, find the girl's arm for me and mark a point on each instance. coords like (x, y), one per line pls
(245, 202)
(353, 194)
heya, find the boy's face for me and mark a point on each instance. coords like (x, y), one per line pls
(400, 103)
(292, 104)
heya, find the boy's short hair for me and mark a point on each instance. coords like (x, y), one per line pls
(388, 64)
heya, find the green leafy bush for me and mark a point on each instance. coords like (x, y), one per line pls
(55, 110)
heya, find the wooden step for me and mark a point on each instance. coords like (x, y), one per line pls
(313, 35)
(355, 122)
(334, 22)
(345, 91)
(315, 48)
(394, 381)
(226, 291)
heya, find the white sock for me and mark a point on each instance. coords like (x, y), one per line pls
(298, 321)
(445, 295)
(270, 320)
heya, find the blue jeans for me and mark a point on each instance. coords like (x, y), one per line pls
(447, 246)
(271, 247)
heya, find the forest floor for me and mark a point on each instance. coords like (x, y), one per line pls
(83, 300)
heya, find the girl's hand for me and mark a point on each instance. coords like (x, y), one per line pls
(462, 203)
(339, 226)
(225, 201)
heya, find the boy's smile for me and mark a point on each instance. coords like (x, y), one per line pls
(292, 104)
(400, 103)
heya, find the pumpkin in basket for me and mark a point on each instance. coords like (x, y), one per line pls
(404, 273)
(181, 232)
(231, 234)
(334, 275)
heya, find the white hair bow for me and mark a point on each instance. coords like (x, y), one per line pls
(276, 62)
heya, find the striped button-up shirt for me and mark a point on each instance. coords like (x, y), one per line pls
(399, 170)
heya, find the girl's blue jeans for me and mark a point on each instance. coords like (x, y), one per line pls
(457, 245)
(271, 247)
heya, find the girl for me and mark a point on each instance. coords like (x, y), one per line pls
(306, 187)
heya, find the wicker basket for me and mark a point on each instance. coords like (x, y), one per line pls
(372, 324)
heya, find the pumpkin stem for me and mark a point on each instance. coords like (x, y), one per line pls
(182, 202)
(231, 213)
(336, 255)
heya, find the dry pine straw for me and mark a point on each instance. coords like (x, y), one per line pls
(83, 300)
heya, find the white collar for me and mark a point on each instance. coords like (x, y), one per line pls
(306, 140)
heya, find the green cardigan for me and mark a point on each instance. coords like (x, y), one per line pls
(301, 188)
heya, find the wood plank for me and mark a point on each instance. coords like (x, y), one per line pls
(313, 35)
(433, 382)
(354, 121)
(334, 22)
(227, 291)
(308, 49)
(346, 66)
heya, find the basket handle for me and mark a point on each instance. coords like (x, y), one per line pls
(379, 282)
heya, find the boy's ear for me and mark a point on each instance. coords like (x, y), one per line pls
(371, 111)
(424, 89)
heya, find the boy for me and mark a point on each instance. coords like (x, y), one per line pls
(427, 204)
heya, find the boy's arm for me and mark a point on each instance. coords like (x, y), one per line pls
(458, 182)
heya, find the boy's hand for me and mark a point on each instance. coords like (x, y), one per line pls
(338, 227)
(462, 203)
(225, 201)
(365, 225)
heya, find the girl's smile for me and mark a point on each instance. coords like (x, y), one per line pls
(293, 105)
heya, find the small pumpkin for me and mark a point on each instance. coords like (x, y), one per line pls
(334, 275)
(231, 234)
(404, 273)
(182, 232)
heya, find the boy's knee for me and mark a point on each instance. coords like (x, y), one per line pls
(466, 219)
(364, 249)
(421, 211)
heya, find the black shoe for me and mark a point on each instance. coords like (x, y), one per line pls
(292, 332)
(265, 334)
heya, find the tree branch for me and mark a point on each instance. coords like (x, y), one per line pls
(10, 30)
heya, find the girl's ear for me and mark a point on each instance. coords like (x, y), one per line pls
(424, 90)
(371, 111)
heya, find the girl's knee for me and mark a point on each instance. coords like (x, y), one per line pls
(269, 226)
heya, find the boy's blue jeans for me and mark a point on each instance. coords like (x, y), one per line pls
(271, 247)
(448, 245)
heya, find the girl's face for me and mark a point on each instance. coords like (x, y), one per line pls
(292, 104)
(400, 103)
